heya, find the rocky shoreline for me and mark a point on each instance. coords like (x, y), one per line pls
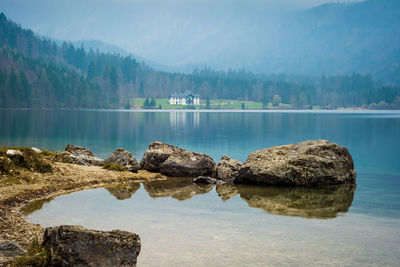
(44, 174)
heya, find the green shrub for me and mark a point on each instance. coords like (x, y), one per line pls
(30, 160)
(112, 166)
(36, 255)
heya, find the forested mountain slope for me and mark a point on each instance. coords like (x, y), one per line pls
(38, 73)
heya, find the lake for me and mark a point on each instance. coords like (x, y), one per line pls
(182, 224)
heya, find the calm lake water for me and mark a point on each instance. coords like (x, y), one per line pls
(181, 224)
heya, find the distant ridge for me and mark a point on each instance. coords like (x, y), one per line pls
(35, 72)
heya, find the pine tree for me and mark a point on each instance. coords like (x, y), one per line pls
(146, 103)
(153, 103)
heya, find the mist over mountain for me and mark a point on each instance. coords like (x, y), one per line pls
(294, 37)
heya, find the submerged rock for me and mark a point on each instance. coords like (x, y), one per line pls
(316, 162)
(11, 249)
(188, 164)
(78, 155)
(156, 154)
(123, 158)
(308, 202)
(78, 246)
(228, 169)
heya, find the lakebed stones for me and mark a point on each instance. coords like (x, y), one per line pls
(78, 155)
(228, 169)
(78, 246)
(183, 163)
(317, 162)
(10, 249)
(156, 154)
(123, 158)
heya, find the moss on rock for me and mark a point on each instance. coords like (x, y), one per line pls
(26, 158)
(36, 256)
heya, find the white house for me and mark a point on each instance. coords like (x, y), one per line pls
(186, 98)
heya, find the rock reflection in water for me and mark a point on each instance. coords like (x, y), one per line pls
(35, 205)
(226, 192)
(178, 188)
(123, 191)
(321, 203)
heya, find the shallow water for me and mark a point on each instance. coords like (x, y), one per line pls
(183, 224)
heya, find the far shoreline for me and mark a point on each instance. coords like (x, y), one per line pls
(343, 111)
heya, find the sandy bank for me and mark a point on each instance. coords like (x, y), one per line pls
(66, 178)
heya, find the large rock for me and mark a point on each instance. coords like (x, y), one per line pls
(123, 158)
(228, 169)
(316, 162)
(156, 154)
(78, 246)
(78, 150)
(11, 249)
(187, 164)
(204, 180)
(78, 155)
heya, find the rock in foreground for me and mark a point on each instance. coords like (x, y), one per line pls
(78, 246)
(123, 158)
(10, 249)
(317, 162)
(156, 154)
(183, 163)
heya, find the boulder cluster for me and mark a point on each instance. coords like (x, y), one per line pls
(317, 162)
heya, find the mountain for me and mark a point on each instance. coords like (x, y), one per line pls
(341, 38)
(35, 72)
(254, 35)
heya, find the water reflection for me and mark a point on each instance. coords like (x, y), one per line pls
(321, 203)
(178, 188)
(183, 119)
(226, 192)
(35, 205)
(123, 191)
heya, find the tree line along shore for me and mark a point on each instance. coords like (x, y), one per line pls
(36, 72)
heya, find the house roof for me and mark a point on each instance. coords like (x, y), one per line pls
(183, 95)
